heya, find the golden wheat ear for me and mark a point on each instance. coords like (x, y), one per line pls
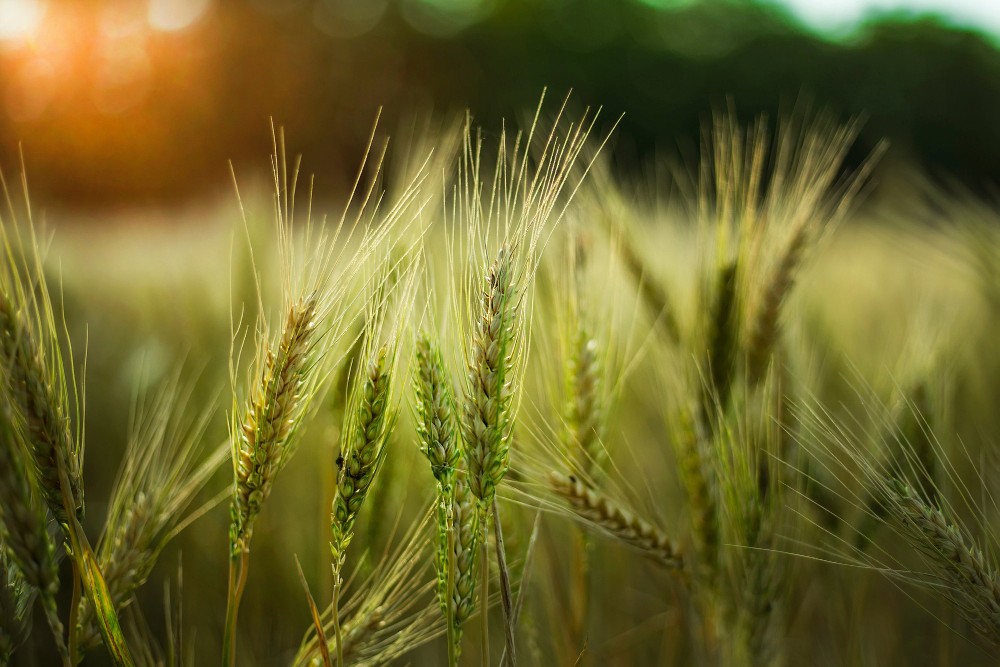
(612, 518)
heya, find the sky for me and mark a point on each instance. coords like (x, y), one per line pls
(843, 15)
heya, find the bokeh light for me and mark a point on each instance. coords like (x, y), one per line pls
(444, 17)
(348, 18)
(19, 19)
(175, 14)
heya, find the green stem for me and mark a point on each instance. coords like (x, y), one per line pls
(336, 617)
(449, 606)
(74, 612)
(484, 601)
(238, 569)
(87, 569)
(506, 598)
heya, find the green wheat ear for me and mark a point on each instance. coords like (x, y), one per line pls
(24, 527)
(16, 598)
(457, 512)
(42, 403)
(435, 412)
(584, 409)
(262, 442)
(163, 470)
(366, 433)
(486, 414)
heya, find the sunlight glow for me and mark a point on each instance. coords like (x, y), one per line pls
(19, 19)
(169, 15)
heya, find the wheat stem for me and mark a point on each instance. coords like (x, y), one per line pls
(238, 570)
(484, 594)
(336, 620)
(506, 597)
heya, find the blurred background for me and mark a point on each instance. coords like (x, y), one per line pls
(124, 104)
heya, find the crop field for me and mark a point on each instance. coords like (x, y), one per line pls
(499, 404)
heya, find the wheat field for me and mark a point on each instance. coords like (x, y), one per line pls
(498, 405)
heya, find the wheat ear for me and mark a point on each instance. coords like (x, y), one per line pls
(487, 405)
(23, 527)
(435, 412)
(972, 581)
(457, 515)
(158, 480)
(370, 423)
(584, 411)
(15, 601)
(486, 419)
(46, 424)
(262, 443)
(615, 520)
(367, 432)
(723, 340)
(458, 525)
(765, 319)
(698, 478)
